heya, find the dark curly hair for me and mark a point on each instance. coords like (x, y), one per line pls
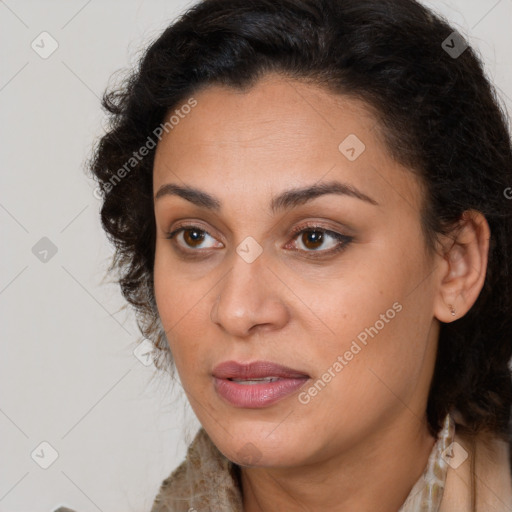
(437, 111)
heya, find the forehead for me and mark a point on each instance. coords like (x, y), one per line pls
(276, 113)
(281, 132)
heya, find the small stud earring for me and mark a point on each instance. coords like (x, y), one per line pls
(452, 309)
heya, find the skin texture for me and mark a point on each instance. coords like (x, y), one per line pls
(362, 441)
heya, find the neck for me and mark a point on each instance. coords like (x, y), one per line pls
(377, 474)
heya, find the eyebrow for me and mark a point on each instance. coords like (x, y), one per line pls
(284, 201)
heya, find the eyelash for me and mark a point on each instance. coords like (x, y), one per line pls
(344, 240)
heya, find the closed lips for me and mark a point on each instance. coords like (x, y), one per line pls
(256, 385)
(257, 371)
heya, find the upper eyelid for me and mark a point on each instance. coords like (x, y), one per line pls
(294, 231)
(307, 224)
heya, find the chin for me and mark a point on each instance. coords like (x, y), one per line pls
(256, 445)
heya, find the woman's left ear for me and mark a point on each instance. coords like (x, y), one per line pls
(463, 266)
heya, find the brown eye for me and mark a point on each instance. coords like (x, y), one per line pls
(315, 239)
(190, 237)
(193, 237)
(312, 239)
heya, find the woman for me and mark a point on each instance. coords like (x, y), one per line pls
(310, 204)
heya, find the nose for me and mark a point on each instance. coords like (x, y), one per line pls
(250, 299)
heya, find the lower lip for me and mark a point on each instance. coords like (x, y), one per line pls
(256, 396)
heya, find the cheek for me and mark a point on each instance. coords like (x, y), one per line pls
(366, 376)
(165, 294)
(173, 293)
(168, 291)
(379, 317)
(183, 310)
(361, 305)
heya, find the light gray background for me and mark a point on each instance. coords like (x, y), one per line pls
(68, 375)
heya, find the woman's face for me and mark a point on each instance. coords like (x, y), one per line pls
(254, 279)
